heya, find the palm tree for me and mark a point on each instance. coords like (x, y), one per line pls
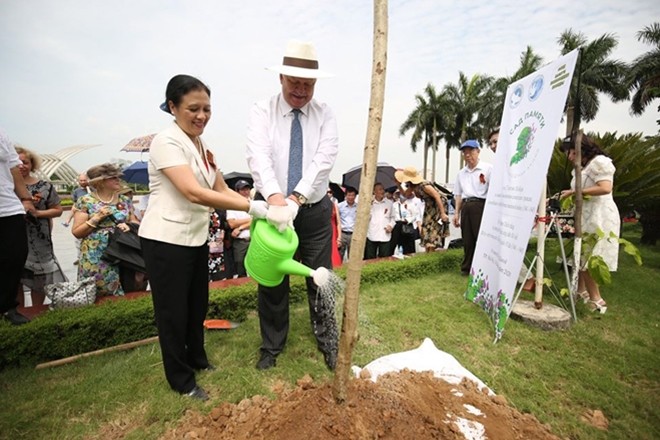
(596, 73)
(468, 101)
(529, 63)
(645, 71)
(428, 121)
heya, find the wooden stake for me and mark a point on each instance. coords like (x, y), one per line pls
(120, 347)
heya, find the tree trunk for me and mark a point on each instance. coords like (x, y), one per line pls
(426, 157)
(354, 269)
(569, 120)
(435, 148)
(447, 165)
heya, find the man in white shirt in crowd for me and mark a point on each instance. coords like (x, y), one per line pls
(347, 215)
(470, 191)
(381, 223)
(239, 222)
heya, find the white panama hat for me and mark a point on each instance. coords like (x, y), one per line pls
(300, 61)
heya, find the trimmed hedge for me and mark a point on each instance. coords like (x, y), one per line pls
(63, 333)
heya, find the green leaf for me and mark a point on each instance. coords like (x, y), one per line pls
(564, 291)
(599, 270)
(632, 250)
(547, 282)
(567, 203)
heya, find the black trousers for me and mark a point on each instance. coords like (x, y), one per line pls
(240, 248)
(180, 292)
(471, 213)
(407, 242)
(13, 236)
(312, 224)
(376, 249)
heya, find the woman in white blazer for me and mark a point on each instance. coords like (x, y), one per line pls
(184, 183)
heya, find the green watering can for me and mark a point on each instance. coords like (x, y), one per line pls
(270, 256)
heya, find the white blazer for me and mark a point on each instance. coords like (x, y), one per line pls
(170, 217)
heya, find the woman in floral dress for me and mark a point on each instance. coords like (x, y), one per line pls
(97, 215)
(41, 267)
(435, 222)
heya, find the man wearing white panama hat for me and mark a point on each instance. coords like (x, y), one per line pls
(292, 145)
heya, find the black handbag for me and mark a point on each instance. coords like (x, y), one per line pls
(408, 229)
(124, 249)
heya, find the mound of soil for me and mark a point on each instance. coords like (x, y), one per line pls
(404, 405)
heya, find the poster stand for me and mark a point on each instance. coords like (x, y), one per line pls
(549, 221)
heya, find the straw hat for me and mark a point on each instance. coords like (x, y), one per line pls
(408, 174)
(300, 61)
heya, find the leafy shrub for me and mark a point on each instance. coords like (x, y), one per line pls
(63, 333)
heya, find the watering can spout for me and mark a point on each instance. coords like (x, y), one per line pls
(270, 255)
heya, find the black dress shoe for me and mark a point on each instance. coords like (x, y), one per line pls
(266, 361)
(209, 367)
(330, 358)
(198, 393)
(15, 318)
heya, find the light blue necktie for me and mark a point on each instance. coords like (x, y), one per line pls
(295, 153)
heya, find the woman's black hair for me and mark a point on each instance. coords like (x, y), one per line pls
(590, 149)
(178, 87)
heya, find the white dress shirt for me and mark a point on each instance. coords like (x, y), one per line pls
(381, 217)
(268, 139)
(239, 215)
(407, 211)
(10, 204)
(473, 182)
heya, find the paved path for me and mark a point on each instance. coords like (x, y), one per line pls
(65, 247)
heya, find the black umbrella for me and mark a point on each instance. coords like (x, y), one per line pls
(125, 250)
(444, 191)
(384, 175)
(337, 192)
(137, 173)
(235, 176)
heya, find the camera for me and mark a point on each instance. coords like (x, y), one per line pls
(553, 205)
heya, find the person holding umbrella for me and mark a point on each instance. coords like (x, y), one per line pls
(184, 183)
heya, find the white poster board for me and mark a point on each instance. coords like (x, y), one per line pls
(530, 123)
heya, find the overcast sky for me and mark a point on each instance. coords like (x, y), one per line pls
(94, 72)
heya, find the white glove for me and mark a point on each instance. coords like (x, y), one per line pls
(293, 206)
(280, 217)
(258, 208)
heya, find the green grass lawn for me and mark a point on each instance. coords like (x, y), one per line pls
(608, 362)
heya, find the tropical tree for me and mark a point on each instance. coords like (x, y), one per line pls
(429, 120)
(596, 73)
(645, 71)
(529, 63)
(468, 102)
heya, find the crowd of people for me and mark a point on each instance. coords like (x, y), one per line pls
(195, 228)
